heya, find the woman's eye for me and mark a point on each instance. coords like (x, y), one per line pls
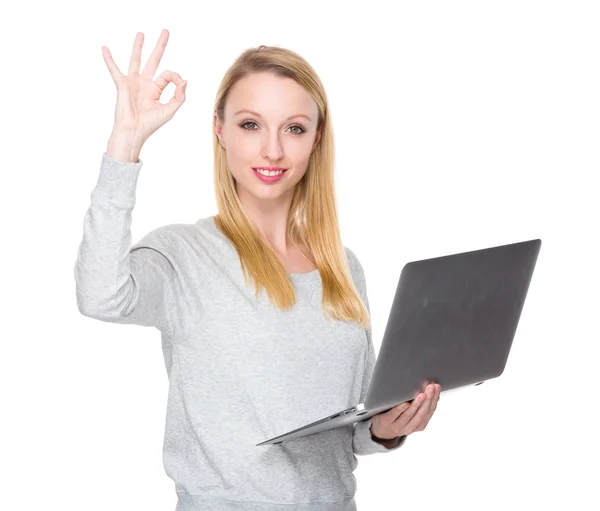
(252, 129)
(244, 125)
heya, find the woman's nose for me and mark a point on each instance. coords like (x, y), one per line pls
(272, 149)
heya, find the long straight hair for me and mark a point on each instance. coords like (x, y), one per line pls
(313, 219)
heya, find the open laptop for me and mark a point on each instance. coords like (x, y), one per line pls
(452, 321)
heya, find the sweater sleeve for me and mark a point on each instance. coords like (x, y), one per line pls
(115, 282)
(362, 440)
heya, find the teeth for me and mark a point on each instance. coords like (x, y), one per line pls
(269, 172)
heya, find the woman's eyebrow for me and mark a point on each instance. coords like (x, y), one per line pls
(258, 115)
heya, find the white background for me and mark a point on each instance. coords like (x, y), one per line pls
(459, 125)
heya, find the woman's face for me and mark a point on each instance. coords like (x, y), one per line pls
(277, 134)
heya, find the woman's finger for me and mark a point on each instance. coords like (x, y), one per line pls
(405, 416)
(176, 101)
(418, 419)
(432, 406)
(434, 402)
(136, 54)
(154, 60)
(113, 69)
(166, 78)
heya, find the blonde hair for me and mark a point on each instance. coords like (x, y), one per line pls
(313, 219)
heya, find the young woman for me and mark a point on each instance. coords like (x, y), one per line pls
(263, 311)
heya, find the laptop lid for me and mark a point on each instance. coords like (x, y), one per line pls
(452, 321)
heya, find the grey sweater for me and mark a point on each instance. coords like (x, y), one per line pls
(240, 370)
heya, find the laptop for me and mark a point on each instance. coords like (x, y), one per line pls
(452, 321)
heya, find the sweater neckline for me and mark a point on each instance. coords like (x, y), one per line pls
(310, 276)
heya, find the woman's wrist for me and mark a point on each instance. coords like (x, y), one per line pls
(386, 442)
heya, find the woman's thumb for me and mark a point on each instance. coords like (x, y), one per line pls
(177, 100)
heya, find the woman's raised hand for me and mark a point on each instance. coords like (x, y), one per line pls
(139, 111)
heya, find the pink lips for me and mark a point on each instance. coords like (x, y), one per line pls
(269, 179)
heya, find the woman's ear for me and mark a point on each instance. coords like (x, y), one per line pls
(317, 138)
(218, 129)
